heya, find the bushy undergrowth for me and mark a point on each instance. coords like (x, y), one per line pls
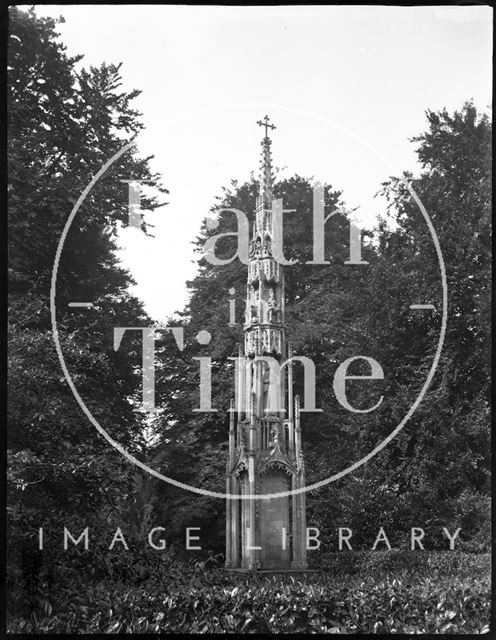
(388, 592)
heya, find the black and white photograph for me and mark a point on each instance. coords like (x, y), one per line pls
(248, 274)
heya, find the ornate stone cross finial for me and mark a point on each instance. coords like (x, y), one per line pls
(265, 123)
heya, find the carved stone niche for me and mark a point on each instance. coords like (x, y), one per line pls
(240, 469)
(270, 269)
(250, 271)
(258, 246)
(276, 464)
(271, 340)
(251, 343)
(267, 246)
(254, 274)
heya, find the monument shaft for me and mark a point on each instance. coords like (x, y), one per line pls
(265, 454)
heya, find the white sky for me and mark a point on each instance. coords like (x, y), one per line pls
(371, 71)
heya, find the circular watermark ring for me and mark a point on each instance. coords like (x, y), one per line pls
(218, 494)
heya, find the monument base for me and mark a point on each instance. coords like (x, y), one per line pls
(266, 572)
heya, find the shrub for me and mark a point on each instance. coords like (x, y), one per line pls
(188, 598)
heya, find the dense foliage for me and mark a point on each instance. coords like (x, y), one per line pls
(382, 593)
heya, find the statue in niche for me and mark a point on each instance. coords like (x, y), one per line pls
(273, 308)
(251, 342)
(253, 306)
(258, 246)
(274, 430)
(253, 390)
(267, 246)
(265, 386)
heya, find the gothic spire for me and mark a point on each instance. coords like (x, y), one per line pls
(266, 178)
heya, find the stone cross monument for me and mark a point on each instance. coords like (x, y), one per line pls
(265, 455)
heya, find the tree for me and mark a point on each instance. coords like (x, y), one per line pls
(436, 471)
(442, 459)
(64, 123)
